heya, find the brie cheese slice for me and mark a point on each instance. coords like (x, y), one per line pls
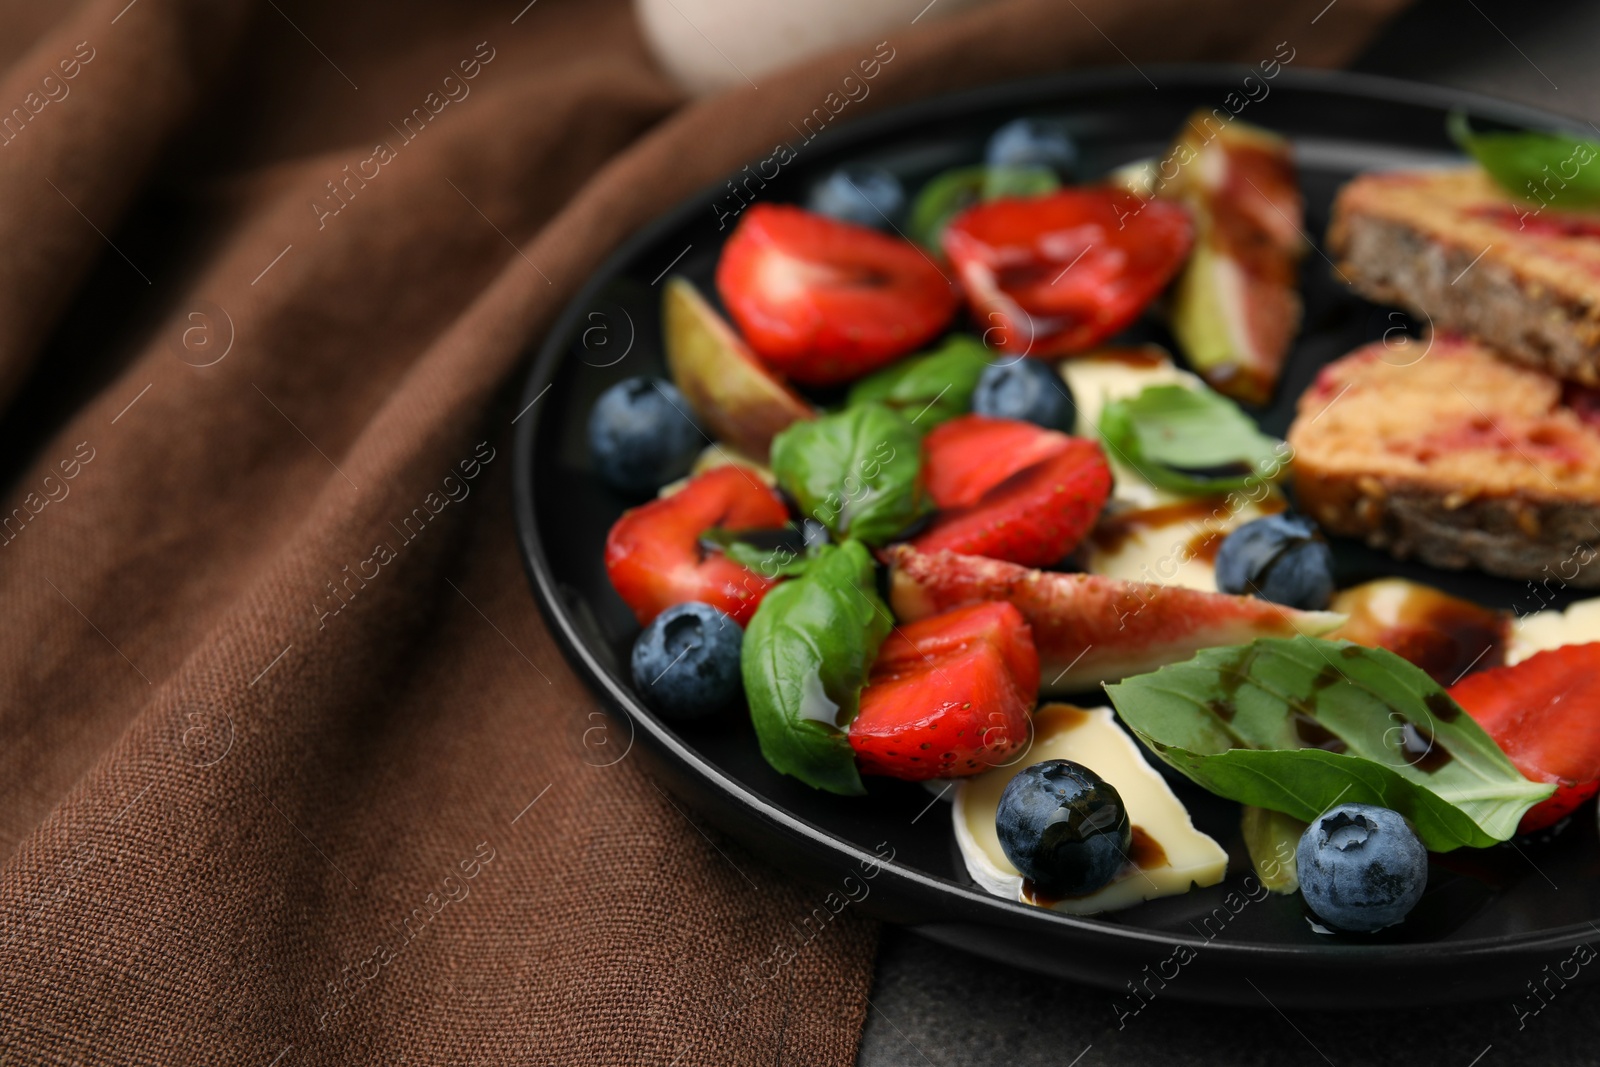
(1172, 545)
(1168, 856)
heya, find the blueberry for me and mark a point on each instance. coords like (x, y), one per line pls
(686, 662)
(1361, 867)
(1063, 828)
(1033, 143)
(641, 435)
(1281, 558)
(1026, 389)
(866, 196)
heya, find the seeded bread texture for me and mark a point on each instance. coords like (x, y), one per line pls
(1453, 248)
(1458, 458)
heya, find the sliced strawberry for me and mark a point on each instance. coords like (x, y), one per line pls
(1061, 273)
(654, 557)
(1011, 490)
(968, 456)
(1088, 628)
(949, 696)
(823, 301)
(1545, 714)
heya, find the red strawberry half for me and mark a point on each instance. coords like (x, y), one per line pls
(1544, 713)
(823, 301)
(1063, 272)
(1011, 490)
(949, 696)
(1088, 628)
(654, 557)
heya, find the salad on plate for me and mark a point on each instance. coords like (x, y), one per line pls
(914, 507)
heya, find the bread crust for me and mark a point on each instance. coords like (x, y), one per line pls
(1511, 536)
(1456, 458)
(1419, 241)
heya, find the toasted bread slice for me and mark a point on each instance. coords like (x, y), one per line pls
(1453, 247)
(1458, 458)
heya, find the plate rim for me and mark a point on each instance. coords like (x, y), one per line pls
(965, 903)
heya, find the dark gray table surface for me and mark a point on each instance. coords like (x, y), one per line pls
(933, 1006)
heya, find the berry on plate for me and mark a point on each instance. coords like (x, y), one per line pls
(654, 557)
(1033, 143)
(1061, 273)
(1011, 490)
(866, 196)
(1028, 391)
(948, 696)
(823, 301)
(686, 662)
(1544, 713)
(1281, 558)
(1088, 628)
(641, 435)
(1361, 867)
(1063, 828)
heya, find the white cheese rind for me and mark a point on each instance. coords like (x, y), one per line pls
(1092, 738)
(1540, 631)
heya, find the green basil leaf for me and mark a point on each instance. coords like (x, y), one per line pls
(807, 652)
(1298, 725)
(767, 560)
(948, 194)
(942, 199)
(1019, 181)
(856, 471)
(1192, 441)
(1537, 166)
(929, 388)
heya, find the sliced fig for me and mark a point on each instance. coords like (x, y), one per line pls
(735, 397)
(1236, 307)
(1090, 629)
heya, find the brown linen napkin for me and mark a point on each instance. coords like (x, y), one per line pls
(290, 769)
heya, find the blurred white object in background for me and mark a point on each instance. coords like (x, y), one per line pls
(707, 45)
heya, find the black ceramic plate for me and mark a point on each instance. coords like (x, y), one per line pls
(1491, 920)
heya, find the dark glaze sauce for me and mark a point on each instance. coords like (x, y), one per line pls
(1313, 734)
(1443, 635)
(1147, 356)
(1032, 895)
(1204, 546)
(1327, 677)
(1117, 528)
(1144, 852)
(1235, 469)
(1420, 749)
(1442, 706)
